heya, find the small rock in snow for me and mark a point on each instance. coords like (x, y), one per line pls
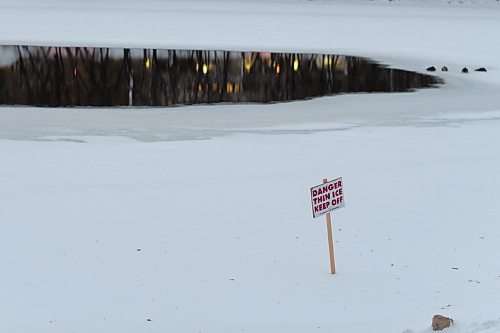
(441, 322)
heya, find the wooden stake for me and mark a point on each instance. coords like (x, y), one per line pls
(330, 238)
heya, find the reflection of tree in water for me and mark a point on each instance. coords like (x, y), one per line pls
(68, 76)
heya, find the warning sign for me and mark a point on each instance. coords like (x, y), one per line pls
(327, 197)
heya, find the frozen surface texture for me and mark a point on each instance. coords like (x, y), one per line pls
(198, 219)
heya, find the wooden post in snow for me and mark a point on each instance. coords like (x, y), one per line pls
(330, 238)
(325, 198)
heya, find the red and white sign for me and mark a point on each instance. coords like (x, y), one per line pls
(327, 197)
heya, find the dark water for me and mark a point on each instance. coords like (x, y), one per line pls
(83, 76)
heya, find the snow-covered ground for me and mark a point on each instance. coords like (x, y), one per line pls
(197, 219)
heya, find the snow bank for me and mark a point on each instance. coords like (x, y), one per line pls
(101, 234)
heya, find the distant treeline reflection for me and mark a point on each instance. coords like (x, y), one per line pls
(85, 76)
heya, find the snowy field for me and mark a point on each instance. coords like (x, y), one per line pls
(198, 219)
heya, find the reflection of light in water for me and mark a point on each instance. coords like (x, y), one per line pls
(178, 83)
(204, 68)
(232, 88)
(248, 61)
(327, 61)
(338, 63)
(248, 64)
(341, 64)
